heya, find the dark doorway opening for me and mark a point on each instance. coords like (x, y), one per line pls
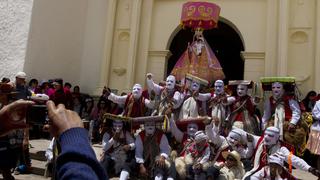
(225, 43)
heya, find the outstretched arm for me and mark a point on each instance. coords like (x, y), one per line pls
(296, 161)
(117, 99)
(153, 86)
(212, 132)
(73, 162)
(175, 130)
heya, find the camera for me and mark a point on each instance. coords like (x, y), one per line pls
(37, 113)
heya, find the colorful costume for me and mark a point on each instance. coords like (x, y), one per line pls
(198, 60)
(134, 103)
(242, 110)
(186, 141)
(114, 154)
(283, 112)
(269, 144)
(280, 174)
(218, 103)
(169, 96)
(151, 148)
(191, 107)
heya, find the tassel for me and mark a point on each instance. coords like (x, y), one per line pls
(166, 124)
(290, 162)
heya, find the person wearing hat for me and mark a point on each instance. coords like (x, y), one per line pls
(170, 97)
(219, 103)
(275, 170)
(20, 137)
(11, 132)
(237, 140)
(283, 107)
(242, 110)
(283, 111)
(197, 156)
(134, 103)
(20, 86)
(151, 155)
(185, 137)
(269, 144)
(117, 145)
(232, 167)
(191, 107)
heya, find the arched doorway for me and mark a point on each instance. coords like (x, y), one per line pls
(225, 42)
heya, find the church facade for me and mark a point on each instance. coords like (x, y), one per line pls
(116, 42)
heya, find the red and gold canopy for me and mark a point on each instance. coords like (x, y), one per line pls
(200, 15)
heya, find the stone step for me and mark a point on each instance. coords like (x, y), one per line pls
(27, 177)
(38, 167)
(40, 156)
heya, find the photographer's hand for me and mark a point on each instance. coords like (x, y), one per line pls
(61, 119)
(13, 116)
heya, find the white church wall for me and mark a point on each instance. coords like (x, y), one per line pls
(56, 39)
(14, 28)
(94, 45)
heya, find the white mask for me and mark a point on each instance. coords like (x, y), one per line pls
(277, 90)
(192, 128)
(271, 136)
(117, 126)
(233, 138)
(219, 87)
(170, 82)
(242, 90)
(150, 128)
(195, 86)
(137, 91)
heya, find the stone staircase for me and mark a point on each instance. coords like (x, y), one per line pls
(37, 155)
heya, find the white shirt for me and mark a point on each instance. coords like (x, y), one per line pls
(206, 156)
(177, 97)
(244, 152)
(122, 100)
(264, 173)
(108, 142)
(294, 106)
(282, 152)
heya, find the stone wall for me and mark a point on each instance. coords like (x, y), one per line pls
(14, 28)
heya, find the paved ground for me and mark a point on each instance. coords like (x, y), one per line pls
(39, 146)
